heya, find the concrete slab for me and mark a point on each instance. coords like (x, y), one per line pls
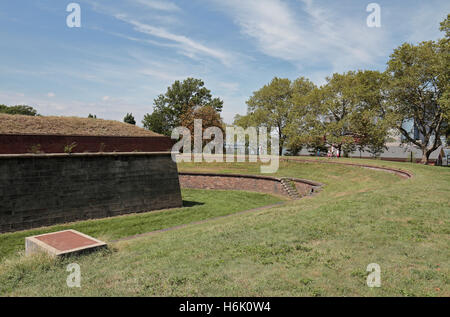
(62, 243)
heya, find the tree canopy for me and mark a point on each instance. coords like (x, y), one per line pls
(129, 118)
(359, 109)
(272, 105)
(19, 109)
(419, 91)
(180, 98)
(345, 112)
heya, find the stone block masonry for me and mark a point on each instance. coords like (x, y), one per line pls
(43, 190)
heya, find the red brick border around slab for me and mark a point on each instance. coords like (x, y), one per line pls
(62, 243)
(293, 188)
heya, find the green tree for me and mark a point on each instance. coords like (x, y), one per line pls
(179, 98)
(157, 122)
(209, 116)
(129, 119)
(445, 27)
(348, 111)
(302, 119)
(371, 131)
(445, 99)
(243, 121)
(272, 105)
(371, 122)
(419, 90)
(19, 109)
(336, 104)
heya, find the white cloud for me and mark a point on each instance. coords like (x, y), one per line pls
(306, 34)
(229, 87)
(159, 5)
(272, 24)
(423, 23)
(51, 94)
(159, 74)
(42, 105)
(105, 98)
(111, 109)
(187, 45)
(233, 104)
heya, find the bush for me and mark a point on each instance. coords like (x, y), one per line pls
(69, 148)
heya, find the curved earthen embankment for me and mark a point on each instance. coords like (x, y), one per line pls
(264, 184)
(293, 188)
(398, 172)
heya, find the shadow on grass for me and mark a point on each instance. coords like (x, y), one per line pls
(187, 203)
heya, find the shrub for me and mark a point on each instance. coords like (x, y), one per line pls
(35, 149)
(69, 148)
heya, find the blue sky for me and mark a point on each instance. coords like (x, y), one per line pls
(129, 51)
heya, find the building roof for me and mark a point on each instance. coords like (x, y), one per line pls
(19, 124)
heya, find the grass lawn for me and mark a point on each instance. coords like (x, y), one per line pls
(317, 246)
(201, 205)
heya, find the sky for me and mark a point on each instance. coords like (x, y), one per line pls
(127, 52)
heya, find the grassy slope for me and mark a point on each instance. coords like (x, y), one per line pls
(19, 124)
(202, 204)
(319, 246)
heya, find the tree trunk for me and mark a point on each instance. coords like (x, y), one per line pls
(425, 157)
(281, 140)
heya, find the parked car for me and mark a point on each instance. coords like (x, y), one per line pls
(444, 157)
